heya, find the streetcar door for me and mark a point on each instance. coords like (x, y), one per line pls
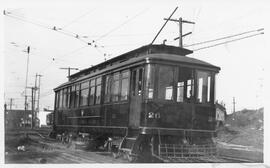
(136, 97)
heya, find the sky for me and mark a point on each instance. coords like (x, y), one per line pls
(118, 27)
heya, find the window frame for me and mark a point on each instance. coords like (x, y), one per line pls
(115, 80)
(83, 88)
(121, 85)
(157, 81)
(92, 86)
(212, 86)
(107, 88)
(177, 67)
(98, 84)
(77, 96)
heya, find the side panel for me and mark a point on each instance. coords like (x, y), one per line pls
(116, 114)
(179, 115)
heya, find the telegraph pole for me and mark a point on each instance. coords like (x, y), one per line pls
(35, 90)
(33, 105)
(180, 21)
(25, 91)
(5, 115)
(36, 107)
(234, 105)
(68, 68)
(38, 92)
(11, 103)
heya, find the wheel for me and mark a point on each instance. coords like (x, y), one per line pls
(114, 151)
(144, 152)
(115, 155)
(131, 158)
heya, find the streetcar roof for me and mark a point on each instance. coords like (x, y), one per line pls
(147, 49)
(157, 57)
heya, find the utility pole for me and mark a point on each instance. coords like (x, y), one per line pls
(36, 107)
(11, 103)
(33, 107)
(34, 101)
(38, 92)
(68, 68)
(234, 105)
(35, 90)
(5, 115)
(180, 21)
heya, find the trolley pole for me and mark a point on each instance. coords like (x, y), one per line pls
(164, 25)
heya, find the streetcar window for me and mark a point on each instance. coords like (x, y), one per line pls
(165, 82)
(84, 93)
(115, 87)
(134, 83)
(98, 81)
(98, 90)
(107, 89)
(61, 99)
(77, 95)
(203, 86)
(64, 97)
(124, 85)
(67, 97)
(185, 85)
(150, 77)
(208, 88)
(57, 100)
(140, 84)
(72, 96)
(92, 92)
(180, 92)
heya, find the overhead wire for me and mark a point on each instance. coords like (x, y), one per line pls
(77, 18)
(61, 30)
(75, 35)
(228, 41)
(119, 26)
(53, 28)
(222, 38)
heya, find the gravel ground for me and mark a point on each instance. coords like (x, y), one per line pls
(19, 149)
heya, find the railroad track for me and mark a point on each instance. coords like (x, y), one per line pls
(69, 154)
(218, 159)
(230, 159)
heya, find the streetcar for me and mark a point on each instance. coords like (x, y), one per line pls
(151, 102)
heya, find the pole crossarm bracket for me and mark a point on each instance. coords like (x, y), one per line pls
(177, 20)
(69, 68)
(180, 21)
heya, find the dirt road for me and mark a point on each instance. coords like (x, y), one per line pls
(33, 149)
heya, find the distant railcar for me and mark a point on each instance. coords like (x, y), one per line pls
(152, 101)
(49, 119)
